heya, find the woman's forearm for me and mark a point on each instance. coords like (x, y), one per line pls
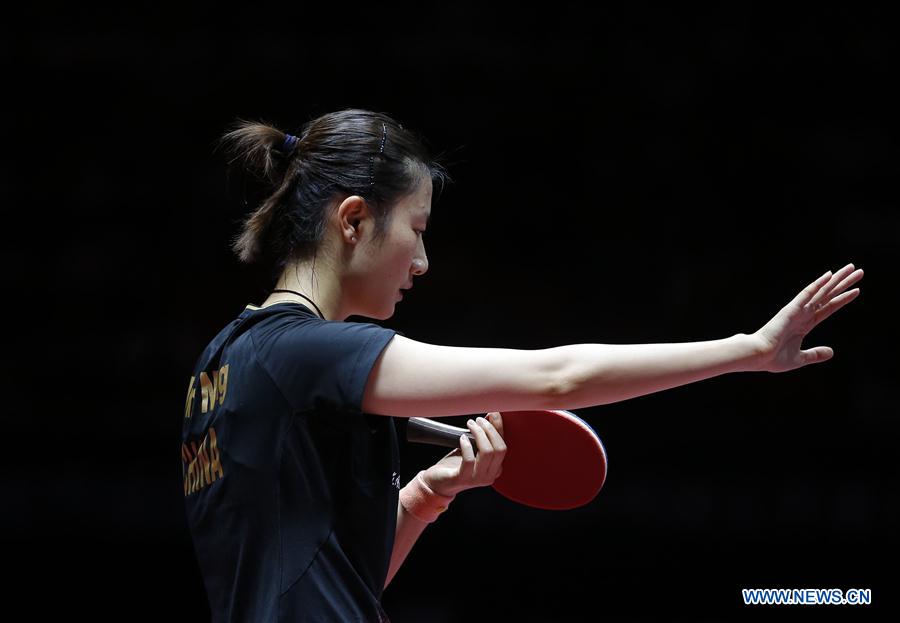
(595, 374)
(405, 536)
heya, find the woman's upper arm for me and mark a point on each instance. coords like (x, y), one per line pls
(415, 379)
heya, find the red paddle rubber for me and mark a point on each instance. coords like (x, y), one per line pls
(557, 463)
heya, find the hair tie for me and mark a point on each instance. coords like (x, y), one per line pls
(290, 142)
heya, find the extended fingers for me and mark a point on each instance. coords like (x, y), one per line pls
(835, 304)
(835, 285)
(809, 291)
(848, 281)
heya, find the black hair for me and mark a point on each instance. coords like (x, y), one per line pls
(334, 156)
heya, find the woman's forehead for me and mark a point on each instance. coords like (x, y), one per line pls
(418, 204)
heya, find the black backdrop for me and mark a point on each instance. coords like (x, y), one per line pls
(625, 175)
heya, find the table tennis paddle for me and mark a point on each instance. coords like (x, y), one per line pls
(554, 459)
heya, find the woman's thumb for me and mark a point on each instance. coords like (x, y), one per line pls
(817, 354)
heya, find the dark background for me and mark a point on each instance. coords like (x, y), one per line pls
(626, 175)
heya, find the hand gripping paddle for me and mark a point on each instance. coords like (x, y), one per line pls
(554, 459)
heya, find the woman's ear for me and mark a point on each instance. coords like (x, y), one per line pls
(351, 213)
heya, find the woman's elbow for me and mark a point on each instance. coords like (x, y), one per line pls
(560, 381)
(577, 377)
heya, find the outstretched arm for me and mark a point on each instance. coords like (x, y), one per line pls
(613, 372)
(602, 373)
(596, 374)
(455, 380)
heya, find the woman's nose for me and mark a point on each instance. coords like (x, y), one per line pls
(420, 265)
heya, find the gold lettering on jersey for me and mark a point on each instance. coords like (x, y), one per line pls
(211, 390)
(201, 465)
(190, 399)
(223, 383)
(208, 390)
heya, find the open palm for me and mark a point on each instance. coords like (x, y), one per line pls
(781, 338)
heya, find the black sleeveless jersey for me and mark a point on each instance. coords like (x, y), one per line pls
(290, 489)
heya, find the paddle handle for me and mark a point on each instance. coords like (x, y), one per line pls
(423, 430)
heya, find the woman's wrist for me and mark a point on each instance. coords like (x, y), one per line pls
(423, 502)
(757, 350)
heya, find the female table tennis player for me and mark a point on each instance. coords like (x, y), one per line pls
(291, 469)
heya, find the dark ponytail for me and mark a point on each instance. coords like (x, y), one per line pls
(339, 154)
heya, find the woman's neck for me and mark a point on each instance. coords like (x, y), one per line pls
(320, 286)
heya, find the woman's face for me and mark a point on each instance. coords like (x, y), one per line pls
(398, 260)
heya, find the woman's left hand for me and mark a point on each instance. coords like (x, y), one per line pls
(780, 340)
(461, 469)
